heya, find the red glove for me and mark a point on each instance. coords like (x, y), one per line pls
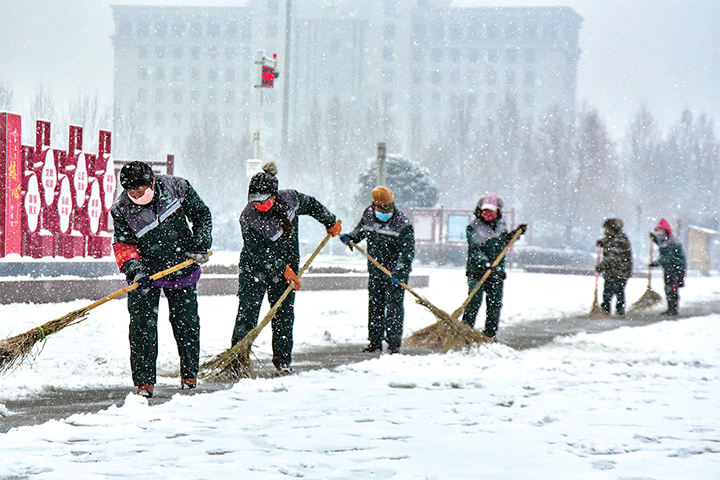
(291, 277)
(335, 229)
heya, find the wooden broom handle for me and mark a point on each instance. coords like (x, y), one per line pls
(133, 286)
(650, 261)
(456, 314)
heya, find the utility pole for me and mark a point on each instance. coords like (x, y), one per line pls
(286, 83)
(266, 76)
(382, 174)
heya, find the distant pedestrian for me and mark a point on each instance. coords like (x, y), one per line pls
(672, 260)
(160, 221)
(616, 264)
(487, 236)
(391, 241)
(270, 258)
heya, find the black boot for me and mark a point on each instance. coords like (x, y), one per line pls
(373, 347)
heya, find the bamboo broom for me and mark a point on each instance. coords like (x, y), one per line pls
(456, 335)
(14, 350)
(444, 332)
(650, 297)
(596, 311)
(234, 363)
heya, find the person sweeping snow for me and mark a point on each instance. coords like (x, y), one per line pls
(672, 260)
(487, 235)
(391, 242)
(616, 264)
(270, 257)
(153, 218)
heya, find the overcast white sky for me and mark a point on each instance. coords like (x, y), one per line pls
(663, 53)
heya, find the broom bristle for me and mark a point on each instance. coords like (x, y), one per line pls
(230, 365)
(15, 349)
(648, 299)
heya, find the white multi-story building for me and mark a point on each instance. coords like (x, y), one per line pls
(394, 70)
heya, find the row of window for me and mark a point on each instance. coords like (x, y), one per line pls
(237, 29)
(179, 96)
(195, 74)
(491, 77)
(162, 119)
(471, 55)
(436, 101)
(528, 29)
(179, 52)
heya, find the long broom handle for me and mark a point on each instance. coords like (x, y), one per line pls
(252, 334)
(650, 261)
(133, 286)
(386, 271)
(456, 314)
(597, 274)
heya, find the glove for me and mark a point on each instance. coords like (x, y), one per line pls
(144, 281)
(394, 281)
(335, 229)
(291, 277)
(522, 228)
(599, 243)
(598, 268)
(345, 238)
(652, 264)
(496, 276)
(201, 258)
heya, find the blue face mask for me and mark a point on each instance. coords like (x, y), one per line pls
(383, 217)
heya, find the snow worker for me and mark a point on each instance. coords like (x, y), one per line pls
(391, 241)
(672, 260)
(616, 264)
(270, 257)
(161, 221)
(487, 236)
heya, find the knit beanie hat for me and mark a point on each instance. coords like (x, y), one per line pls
(135, 175)
(490, 201)
(263, 185)
(613, 224)
(382, 196)
(664, 225)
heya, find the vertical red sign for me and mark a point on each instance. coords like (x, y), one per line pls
(10, 184)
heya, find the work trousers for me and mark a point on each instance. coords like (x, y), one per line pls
(251, 292)
(386, 311)
(493, 289)
(615, 288)
(185, 322)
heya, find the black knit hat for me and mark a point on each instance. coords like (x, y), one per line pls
(135, 175)
(263, 185)
(613, 224)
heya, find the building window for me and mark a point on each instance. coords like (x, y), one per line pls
(455, 32)
(142, 95)
(143, 30)
(271, 29)
(530, 55)
(229, 97)
(177, 73)
(213, 28)
(125, 29)
(437, 54)
(142, 72)
(273, 7)
(178, 53)
(529, 78)
(230, 75)
(492, 31)
(493, 55)
(159, 73)
(474, 55)
(531, 30)
(142, 51)
(435, 77)
(512, 30)
(388, 54)
(231, 29)
(510, 78)
(177, 119)
(194, 74)
(159, 118)
(529, 100)
(389, 30)
(159, 95)
(455, 55)
(213, 51)
(177, 96)
(387, 100)
(196, 29)
(195, 53)
(213, 74)
(418, 30)
(418, 54)
(160, 28)
(212, 96)
(230, 53)
(194, 96)
(387, 76)
(490, 101)
(417, 77)
(491, 77)
(160, 52)
(475, 31)
(511, 55)
(178, 29)
(438, 31)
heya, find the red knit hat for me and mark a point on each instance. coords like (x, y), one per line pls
(665, 225)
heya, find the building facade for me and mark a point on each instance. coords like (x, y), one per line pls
(397, 71)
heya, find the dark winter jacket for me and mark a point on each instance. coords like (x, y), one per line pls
(485, 242)
(617, 263)
(672, 257)
(391, 243)
(176, 221)
(267, 248)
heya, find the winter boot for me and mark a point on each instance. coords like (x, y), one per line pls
(188, 383)
(373, 347)
(146, 390)
(394, 349)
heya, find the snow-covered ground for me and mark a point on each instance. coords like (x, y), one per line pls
(638, 403)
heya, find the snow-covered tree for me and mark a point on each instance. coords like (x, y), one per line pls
(411, 185)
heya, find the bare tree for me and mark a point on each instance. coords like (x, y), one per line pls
(86, 112)
(6, 96)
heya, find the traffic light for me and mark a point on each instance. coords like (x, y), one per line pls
(268, 76)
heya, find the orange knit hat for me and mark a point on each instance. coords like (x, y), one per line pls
(382, 196)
